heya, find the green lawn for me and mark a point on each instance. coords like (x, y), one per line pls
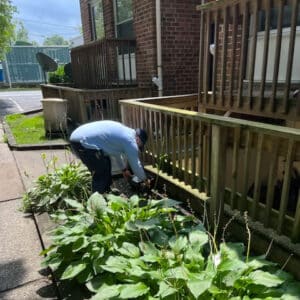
(27, 129)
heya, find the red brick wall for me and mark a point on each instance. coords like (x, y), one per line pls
(85, 20)
(180, 46)
(145, 31)
(180, 41)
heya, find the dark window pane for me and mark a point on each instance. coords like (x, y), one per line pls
(125, 30)
(287, 16)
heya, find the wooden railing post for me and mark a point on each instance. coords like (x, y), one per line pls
(82, 109)
(218, 166)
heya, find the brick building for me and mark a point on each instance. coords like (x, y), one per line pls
(180, 23)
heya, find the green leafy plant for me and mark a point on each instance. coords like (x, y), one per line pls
(121, 249)
(59, 76)
(71, 180)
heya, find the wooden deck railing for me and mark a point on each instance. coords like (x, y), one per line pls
(90, 105)
(255, 68)
(107, 63)
(243, 165)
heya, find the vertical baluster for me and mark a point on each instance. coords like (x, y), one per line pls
(215, 57)
(179, 130)
(207, 57)
(173, 147)
(201, 60)
(244, 47)
(162, 139)
(277, 55)
(200, 156)
(271, 181)
(233, 53)
(286, 186)
(253, 54)
(166, 133)
(235, 164)
(245, 174)
(209, 153)
(257, 183)
(218, 171)
(150, 130)
(186, 155)
(224, 55)
(193, 147)
(295, 6)
(156, 130)
(265, 55)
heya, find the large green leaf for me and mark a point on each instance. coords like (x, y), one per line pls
(259, 262)
(165, 290)
(81, 243)
(178, 244)
(134, 200)
(198, 239)
(73, 269)
(158, 237)
(106, 292)
(177, 273)
(74, 204)
(165, 203)
(198, 286)
(232, 250)
(131, 291)
(264, 278)
(148, 224)
(116, 264)
(96, 203)
(129, 250)
(193, 257)
(117, 202)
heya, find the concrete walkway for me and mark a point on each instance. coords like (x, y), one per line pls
(21, 275)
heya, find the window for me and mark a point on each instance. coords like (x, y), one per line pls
(97, 20)
(287, 16)
(124, 19)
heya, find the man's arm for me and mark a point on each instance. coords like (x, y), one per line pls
(135, 163)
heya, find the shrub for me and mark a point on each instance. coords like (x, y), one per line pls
(121, 250)
(59, 76)
(69, 181)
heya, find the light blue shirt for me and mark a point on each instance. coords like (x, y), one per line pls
(114, 139)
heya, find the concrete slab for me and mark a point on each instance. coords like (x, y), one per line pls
(19, 248)
(40, 289)
(11, 186)
(45, 225)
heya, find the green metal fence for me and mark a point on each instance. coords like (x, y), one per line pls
(22, 65)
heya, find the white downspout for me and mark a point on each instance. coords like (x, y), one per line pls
(159, 79)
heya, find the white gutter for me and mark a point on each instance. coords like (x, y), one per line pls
(159, 79)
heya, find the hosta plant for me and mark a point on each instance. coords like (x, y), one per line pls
(71, 180)
(131, 249)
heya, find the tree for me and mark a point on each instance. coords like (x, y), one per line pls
(7, 26)
(56, 40)
(21, 33)
(22, 36)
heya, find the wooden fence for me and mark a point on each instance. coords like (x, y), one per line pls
(253, 67)
(90, 105)
(106, 63)
(244, 165)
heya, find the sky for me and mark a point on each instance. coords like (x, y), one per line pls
(44, 18)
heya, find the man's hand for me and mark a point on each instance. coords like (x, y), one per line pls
(127, 174)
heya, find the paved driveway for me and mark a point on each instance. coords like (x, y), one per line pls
(19, 101)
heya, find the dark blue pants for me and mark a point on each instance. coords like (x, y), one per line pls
(98, 164)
